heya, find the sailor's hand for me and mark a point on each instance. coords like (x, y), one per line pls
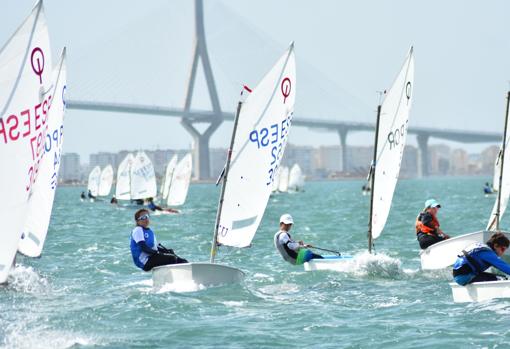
(307, 245)
(301, 243)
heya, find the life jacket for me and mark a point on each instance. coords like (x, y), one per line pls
(288, 254)
(469, 263)
(425, 229)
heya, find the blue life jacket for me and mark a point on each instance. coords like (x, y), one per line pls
(140, 257)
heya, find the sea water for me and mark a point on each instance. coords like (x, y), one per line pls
(85, 292)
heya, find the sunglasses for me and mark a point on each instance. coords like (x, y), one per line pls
(143, 217)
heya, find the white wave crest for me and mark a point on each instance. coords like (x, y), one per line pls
(27, 280)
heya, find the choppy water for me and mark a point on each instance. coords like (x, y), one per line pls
(85, 292)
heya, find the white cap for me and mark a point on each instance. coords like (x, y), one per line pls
(286, 219)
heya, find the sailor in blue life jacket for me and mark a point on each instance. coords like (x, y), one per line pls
(475, 259)
(293, 252)
(487, 189)
(153, 207)
(145, 250)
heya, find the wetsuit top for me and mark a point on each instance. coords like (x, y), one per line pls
(287, 247)
(147, 236)
(481, 257)
(426, 223)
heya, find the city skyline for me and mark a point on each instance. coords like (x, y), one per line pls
(316, 163)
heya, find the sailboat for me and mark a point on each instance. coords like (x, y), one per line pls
(94, 181)
(283, 185)
(444, 253)
(181, 178)
(143, 177)
(123, 186)
(276, 181)
(448, 250)
(390, 139)
(25, 70)
(40, 205)
(105, 181)
(248, 176)
(167, 179)
(296, 178)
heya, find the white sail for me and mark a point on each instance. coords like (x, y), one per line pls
(393, 123)
(105, 181)
(497, 171)
(143, 177)
(43, 193)
(180, 182)
(296, 180)
(258, 147)
(123, 187)
(167, 180)
(283, 185)
(505, 184)
(25, 76)
(276, 180)
(94, 180)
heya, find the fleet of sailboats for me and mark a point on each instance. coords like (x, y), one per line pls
(252, 172)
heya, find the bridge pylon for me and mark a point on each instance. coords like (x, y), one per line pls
(201, 160)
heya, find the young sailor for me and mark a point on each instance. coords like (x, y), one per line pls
(145, 250)
(471, 265)
(153, 207)
(291, 251)
(427, 226)
(487, 189)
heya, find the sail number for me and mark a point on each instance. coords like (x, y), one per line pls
(273, 140)
(396, 136)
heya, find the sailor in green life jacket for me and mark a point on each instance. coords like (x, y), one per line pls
(294, 252)
(475, 259)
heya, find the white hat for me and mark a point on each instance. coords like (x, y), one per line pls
(286, 219)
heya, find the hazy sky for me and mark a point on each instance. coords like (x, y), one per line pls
(140, 52)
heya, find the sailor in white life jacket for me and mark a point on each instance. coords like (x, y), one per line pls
(293, 252)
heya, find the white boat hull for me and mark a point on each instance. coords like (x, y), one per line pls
(444, 253)
(334, 263)
(480, 291)
(205, 274)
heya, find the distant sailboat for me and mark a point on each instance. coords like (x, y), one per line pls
(283, 185)
(105, 181)
(248, 175)
(26, 76)
(123, 186)
(390, 139)
(40, 205)
(143, 177)
(94, 181)
(167, 179)
(296, 179)
(181, 178)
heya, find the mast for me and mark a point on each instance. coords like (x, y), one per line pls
(224, 184)
(502, 161)
(374, 164)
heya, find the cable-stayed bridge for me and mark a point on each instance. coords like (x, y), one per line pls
(215, 116)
